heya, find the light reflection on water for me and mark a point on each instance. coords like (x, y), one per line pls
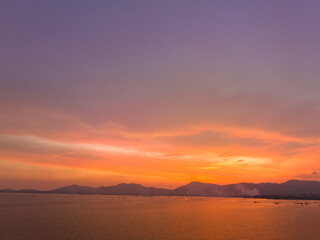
(80, 217)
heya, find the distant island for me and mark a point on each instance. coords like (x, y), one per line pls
(292, 189)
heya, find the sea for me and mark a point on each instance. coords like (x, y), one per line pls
(91, 217)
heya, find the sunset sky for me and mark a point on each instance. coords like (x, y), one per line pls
(158, 92)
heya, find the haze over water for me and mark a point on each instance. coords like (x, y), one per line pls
(67, 217)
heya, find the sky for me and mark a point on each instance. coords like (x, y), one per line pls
(158, 92)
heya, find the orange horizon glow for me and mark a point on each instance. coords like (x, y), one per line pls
(155, 159)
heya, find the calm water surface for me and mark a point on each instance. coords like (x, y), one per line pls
(62, 217)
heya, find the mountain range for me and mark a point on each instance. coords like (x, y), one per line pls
(289, 189)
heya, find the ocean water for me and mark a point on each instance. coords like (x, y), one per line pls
(79, 217)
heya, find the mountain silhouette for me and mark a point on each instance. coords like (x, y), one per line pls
(120, 189)
(74, 189)
(289, 189)
(133, 189)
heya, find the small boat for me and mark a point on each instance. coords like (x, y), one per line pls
(299, 203)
